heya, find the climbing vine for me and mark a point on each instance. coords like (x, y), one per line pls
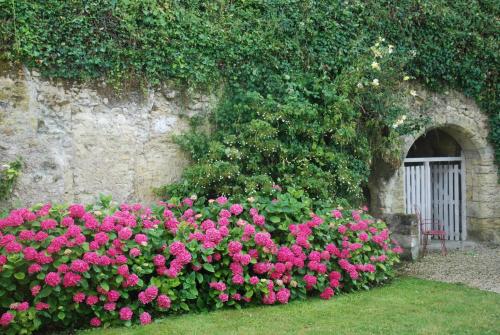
(8, 176)
(311, 92)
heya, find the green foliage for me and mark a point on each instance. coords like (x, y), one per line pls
(299, 107)
(455, 43)
(8, 177)
(170, 257)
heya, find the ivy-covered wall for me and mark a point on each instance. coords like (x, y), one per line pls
(311, 89)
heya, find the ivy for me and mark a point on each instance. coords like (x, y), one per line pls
(300, 106)
(8, 177)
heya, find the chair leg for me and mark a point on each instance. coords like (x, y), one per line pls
(424, 251)
(443, 245)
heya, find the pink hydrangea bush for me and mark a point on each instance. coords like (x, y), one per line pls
(100, 265)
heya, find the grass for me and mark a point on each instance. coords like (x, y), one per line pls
(407, 306)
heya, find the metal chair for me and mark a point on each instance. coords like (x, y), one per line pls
(429, 228)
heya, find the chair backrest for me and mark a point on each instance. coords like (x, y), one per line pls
(417, 213)
(422, 224)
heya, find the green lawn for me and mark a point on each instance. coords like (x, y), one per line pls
(407, 306)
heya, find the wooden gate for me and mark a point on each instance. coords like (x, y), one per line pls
(436, 185)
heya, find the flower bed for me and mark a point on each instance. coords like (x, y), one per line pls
(101, 265)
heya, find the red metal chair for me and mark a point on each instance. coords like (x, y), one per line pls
(428, 229)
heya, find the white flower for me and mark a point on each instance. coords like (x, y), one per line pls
(399, 122)
(413, 93)
(406, 78)
(360, 85)
(376, 66)
(375, 82)
(391, 48)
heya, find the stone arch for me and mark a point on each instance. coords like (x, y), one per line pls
(460, 118)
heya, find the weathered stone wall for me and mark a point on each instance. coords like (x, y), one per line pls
(77, 141)
(404, 229)
(460, 118)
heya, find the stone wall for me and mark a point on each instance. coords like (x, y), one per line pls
(404, 229)
(460, 118)
(77, 141)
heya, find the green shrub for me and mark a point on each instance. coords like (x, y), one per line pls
(101, 265)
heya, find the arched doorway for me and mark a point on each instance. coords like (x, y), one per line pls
(434, 182)
(449, 116)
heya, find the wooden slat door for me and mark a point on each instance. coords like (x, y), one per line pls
(436, 187)
(447, 197)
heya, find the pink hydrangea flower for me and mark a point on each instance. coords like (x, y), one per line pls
(76, 211)
(27, 235)
(310, 280)
(145, 318)
(79, 265)
(223, 297)
(6, 319)
(342, 229)
(336, 214)
(21, 307)
(13, 247)
(151, 292)
(122, 270)
(236, 209)
(110, 306)
(48, 224)
(95, 322)
(71, 279)
(327, 293)
(126, 313)
(159, 260)
(132, 280)
(238, 279)
(177, 247)
(101, 238)
(254, 280)
(35, 290)
(163, 301)
(79, 297)
(219, 286)
(40, 236)
(270, 298)
(30, 253)
(125, 233)
(259, 220)
(283, 295)
(92, 300)
(52, 279)
(40, 306)
(234, 247)
(34, 268)
(141, 239)
(67, 221)
(134, 252)
(221, 200)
